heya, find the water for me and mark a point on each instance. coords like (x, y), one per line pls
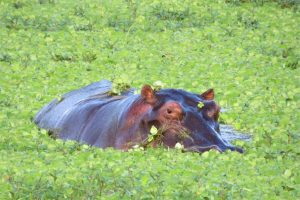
(229, 134)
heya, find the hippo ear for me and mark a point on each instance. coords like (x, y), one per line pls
(148, 94)
(208, 95)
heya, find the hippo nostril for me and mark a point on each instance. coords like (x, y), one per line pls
(169, 111)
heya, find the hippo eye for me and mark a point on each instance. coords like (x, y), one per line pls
(213, 113)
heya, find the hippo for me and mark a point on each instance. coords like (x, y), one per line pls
(92, 115)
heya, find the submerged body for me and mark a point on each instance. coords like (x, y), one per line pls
(91, 116)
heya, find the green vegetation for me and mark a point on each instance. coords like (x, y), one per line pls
(248, 51)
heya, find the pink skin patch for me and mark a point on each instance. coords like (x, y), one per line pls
(170, 111)
(136, 112)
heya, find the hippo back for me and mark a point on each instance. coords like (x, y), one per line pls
(50, 116)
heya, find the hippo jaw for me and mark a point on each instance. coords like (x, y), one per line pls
(206, 135)
(194, 132)
(173, 132)
(221, 149)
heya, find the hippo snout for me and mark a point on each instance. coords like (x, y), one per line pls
(221, 149)
(232, 148)
(238, 149)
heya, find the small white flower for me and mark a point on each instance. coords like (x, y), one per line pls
(179, 146)
(158, 83)
(153, 130)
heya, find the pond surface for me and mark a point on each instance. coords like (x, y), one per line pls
(230, 134)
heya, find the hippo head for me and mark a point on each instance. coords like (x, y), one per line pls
(186, 118)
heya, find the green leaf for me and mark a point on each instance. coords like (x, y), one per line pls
(153, 130)
(287, 173)
(200, 104)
